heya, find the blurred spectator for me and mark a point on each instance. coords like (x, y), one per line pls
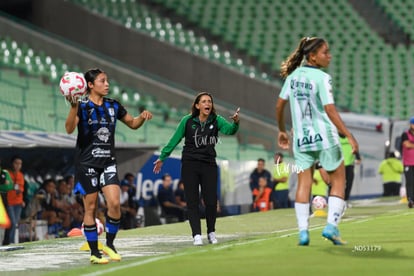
(260, 171)
(320, 182)
(132, 189)
(6, 184)
(407, 143)
(69, 210)
(63, 204)
(262, 201)
(350, 159)
(391, 170)
(73, 200)
(128, 210)
(70, 182)
(170, 210)
(280, 193)
(49, 205)
(15, 202)
(179, 194)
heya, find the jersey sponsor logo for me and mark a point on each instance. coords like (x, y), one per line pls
(205, 140)
(101, 153)
(103, 134)
(300, 84)
(310, 139)
(90, 122)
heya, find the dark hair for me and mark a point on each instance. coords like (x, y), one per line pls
(15, 157)
(194, 111)
(165, 176)
(90, 76)
(47, 181)
(391, 155)
(69, 176)
(306, 46)
(260, 160)
(128, 174)
(279, 153)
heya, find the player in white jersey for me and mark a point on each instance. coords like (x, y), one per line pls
(315, 131)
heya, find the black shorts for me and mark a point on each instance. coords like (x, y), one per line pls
(90, 180)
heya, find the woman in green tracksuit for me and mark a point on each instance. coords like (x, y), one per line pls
(198, 162)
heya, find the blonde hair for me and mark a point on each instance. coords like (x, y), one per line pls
(306, 46)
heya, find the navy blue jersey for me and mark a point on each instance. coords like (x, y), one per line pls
(96, 132)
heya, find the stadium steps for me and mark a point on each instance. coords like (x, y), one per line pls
(400, 12)
(361, 72)
(135, 15)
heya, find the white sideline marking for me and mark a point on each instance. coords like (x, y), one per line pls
(219, 247)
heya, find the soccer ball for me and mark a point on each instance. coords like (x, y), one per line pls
(319, 202)
(99, 226)
(72, 84)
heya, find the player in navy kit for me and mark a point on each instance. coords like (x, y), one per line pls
(96, 117)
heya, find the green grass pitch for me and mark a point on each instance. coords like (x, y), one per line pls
(380, 242)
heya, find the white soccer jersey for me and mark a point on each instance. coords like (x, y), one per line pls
(308, 89)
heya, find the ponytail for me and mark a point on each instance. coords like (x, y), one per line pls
(306, 45)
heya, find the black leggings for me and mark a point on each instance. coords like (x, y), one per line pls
(195, 174)
(391, 188)
(409, 182)
(349, 175)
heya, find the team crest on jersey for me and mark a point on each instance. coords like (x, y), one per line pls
(111, 111)
(103, 134)
(94, 182)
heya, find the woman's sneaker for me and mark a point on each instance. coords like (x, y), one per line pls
(331, 232)
(303, 237)
(212, 238)
(96, 260)
(113, 255)
(198, 240)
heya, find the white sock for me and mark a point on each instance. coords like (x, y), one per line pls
(302, 215)
(336, 207)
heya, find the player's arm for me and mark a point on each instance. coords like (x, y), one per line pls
(226, 127)
(136, 122)
(72, 119)
(283, 138)
(170, 204)
(172, 143)
(405, 142)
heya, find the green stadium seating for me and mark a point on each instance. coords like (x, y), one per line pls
(135, 15)
(363, 64)
(31, 101)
